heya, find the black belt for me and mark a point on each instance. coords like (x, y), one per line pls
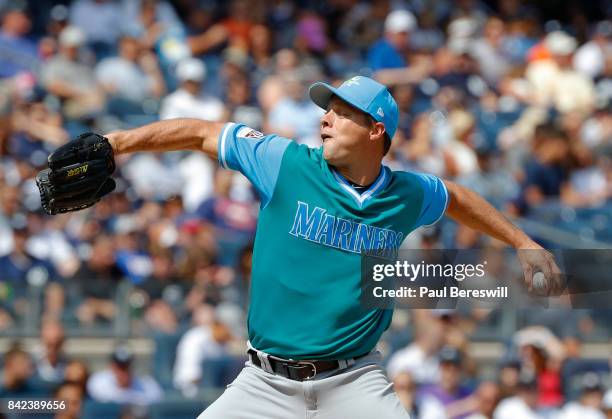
(296, 370)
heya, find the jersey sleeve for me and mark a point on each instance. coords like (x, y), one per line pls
(435, 199)
(255, 155)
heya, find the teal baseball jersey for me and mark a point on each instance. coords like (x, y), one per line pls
(312, 229)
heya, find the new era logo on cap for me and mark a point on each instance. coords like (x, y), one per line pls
(352, 82)
(380, 113)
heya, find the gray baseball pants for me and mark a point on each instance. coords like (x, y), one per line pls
(359, 392)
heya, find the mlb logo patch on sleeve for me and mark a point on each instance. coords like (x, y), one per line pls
(247, 132)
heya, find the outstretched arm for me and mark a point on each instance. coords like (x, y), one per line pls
(472, 210)
(468, 208)
(169, 135)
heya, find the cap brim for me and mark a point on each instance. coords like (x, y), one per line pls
(321, 93)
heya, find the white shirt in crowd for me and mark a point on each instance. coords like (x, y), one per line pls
(128, 78)
(574, 410)
(196, 346)
(182, 104)
(101, 21)
(424, 368)
(514, 408)
(590, 59)
(103, 387)
(431, 408)
(566, 89)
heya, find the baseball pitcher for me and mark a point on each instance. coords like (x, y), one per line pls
(312, 346)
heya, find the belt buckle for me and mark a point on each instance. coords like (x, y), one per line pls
(300, 365)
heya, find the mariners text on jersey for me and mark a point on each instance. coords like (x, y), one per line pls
(321, 227)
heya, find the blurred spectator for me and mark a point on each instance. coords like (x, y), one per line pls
(241, 106)
(101, 21)
(131, 258)
(50, 359)
(450, 75)
(490, 52)
(120, 384)
(296, 116)
(429, 36)
(590, 186)
(233, 220)
(234, 30)
(49, 242)
(198, 261)
(508, 378)
(390, 51)
(239, 22)
(20, 270)
(485, 398)
(20, 265)
(149, 18)
(492, 179)
(542, 354)
(10, 205)
(589, 404)
(361, 23)
(406, 389)
(162, 288)
(73, 396)
(522, 35)
(96, 280)
(459, 156)
(420, 358)
(163, 183)
(553, 80)
(449, 393)
(71, 80)
(590, 58)
(130, 78)
(36, 129)
(187, 101)
(546, 170)
(77, 372)
(17, 51)
(524, 404)
(261, 41)
(206, 340)
(17, 378)
(311, 34)
(59, 19)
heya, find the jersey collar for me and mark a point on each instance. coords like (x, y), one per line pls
(361, 198)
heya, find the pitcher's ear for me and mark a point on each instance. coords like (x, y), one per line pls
(377, 130)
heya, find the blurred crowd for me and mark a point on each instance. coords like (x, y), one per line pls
(511, 98)
(538, 376)
(435, 373)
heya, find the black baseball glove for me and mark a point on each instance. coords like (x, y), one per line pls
(78, 175)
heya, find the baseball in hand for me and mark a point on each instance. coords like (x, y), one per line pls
(539, 281)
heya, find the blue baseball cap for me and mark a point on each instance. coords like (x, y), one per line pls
(364, 94)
